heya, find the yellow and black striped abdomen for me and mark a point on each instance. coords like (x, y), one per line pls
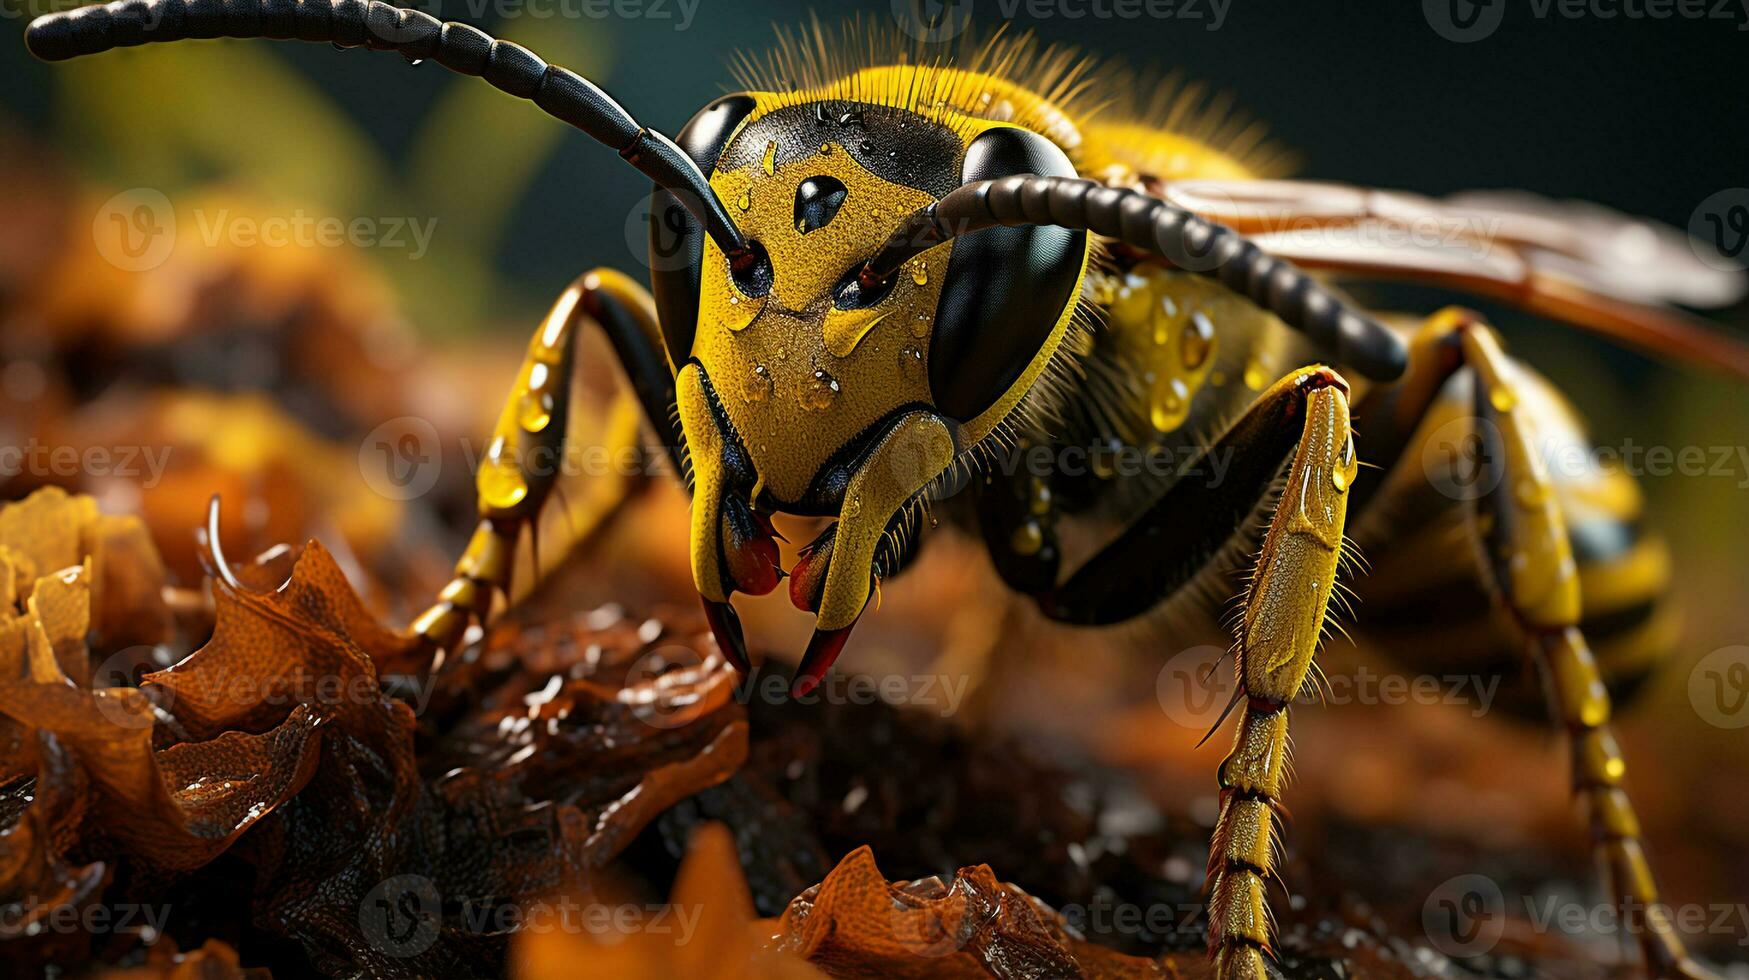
(1426, 603)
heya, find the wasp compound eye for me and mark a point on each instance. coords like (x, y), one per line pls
(817, 202)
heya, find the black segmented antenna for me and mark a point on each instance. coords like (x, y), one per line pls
(413, 34)
(1145, 222)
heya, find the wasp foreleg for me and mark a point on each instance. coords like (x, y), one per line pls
(525, 457)
(1278, 634)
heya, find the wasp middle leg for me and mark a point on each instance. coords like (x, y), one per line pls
(1301, 421)
(521, 464)
(1520, 519)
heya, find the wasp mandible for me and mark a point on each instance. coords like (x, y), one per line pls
(898, 271)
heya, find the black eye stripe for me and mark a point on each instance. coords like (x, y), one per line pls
(818, 201)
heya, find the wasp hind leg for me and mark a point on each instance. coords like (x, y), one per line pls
(524, 459)
(1301, 421)
(1529, 567)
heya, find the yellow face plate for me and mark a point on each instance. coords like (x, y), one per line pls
(797, 378)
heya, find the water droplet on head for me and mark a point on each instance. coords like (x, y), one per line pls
(920, 274)
(745, 201)
(819, 391)
(920, 325)
(1027, 539)
(759, 385)
(911, 361)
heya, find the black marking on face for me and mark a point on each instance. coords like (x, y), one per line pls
(896, 145)
(817, 202)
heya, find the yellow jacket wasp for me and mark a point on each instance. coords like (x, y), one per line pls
(899, 272)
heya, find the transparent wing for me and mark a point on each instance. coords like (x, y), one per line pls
(1579, 263)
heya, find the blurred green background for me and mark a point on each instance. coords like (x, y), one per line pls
(1645, 116)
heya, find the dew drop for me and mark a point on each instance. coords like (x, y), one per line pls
(1027, 539)
(1197, 340)
(1169, 405)
(745, 201)
(1503, 399)
(759, 385)
(920, 274)
(1165, 318)
(1041, 499)
(819, 391)
(1131, 301)
(500, 481)
(1256, 376)
(920, 326)
(911, 361)
(534, 411)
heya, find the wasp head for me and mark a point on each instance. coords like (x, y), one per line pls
(806, 389)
